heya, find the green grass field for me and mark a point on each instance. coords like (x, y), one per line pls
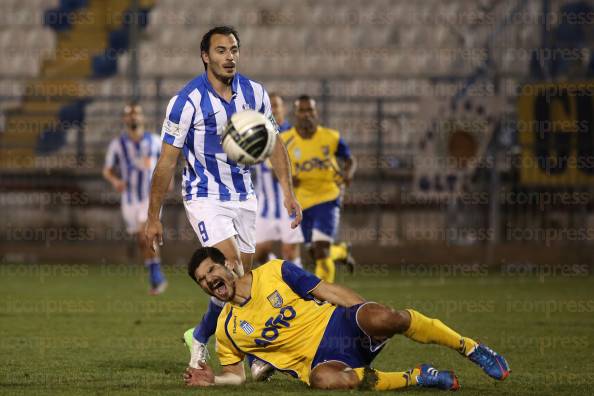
(94, 330)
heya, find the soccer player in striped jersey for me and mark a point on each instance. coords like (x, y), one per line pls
(129, 164)
(273, 223)
(218, 194)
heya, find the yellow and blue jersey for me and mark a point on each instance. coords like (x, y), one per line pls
(313, 163)
(280, 323)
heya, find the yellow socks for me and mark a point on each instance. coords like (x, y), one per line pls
(380, 380)
(338, 251)
(422, 329)
(433, 331)
(325, 269)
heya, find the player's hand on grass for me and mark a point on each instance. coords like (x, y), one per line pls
(203, 376)
(154, 233)
(294, 209)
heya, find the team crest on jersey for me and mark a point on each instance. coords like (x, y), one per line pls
(275, 299)
(246, 327)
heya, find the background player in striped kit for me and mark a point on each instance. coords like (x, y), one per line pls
(273, 223)
(218, 193)
(129, 164)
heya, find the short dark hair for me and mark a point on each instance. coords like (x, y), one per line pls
(305, 97)
(225, 30)
(202, 254)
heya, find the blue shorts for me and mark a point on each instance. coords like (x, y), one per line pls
(324, 219)
(344, 341)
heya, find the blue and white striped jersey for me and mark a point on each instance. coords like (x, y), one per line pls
(135, 162)
(268, 189)
(195, 120)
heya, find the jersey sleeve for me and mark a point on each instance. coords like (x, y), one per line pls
(266, 109)
(226, 351)
(299, 280)
(178, 121)
(342, 150)
(111, 157)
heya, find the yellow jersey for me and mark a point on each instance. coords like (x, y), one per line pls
(280, 323)
(313, 163)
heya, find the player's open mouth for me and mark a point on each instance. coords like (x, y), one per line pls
(229, 67)
(219, 288)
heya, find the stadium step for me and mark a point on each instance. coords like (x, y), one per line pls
(74, 67)
(43, 106)
(21, 123)
(17, 158)
(60, 79)
(47, 88)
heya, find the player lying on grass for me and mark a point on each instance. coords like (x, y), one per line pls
(324, 334)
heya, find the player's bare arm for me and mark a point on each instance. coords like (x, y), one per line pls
(336, 294)
(159, 185)
(118, 184)
(348, 170)
(232, 374)
(282, 170)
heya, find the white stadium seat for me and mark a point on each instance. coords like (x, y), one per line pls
(294, 43)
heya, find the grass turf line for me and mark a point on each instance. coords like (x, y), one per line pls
(94, 330)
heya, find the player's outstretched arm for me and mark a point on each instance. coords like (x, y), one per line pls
(159, 185)
(336, 294)
(282, 170)
(232, 374)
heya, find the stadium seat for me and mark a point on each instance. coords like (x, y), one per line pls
(104, 65)
(51, 140)
(118, 39)
(292, 44)
(72, 114)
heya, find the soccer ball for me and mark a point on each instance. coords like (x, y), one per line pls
(249, 137)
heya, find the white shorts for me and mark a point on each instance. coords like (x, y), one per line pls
(135, 215)
(271, 229)
(214, 221)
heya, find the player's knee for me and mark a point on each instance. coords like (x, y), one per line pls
(400, 320)
(396, 321)
(318, 380)
(233, 259)
(331, 379)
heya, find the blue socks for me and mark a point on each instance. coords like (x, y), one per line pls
(156, 277)
(208, 325)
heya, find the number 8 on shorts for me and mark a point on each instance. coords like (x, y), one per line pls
(203, 233)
